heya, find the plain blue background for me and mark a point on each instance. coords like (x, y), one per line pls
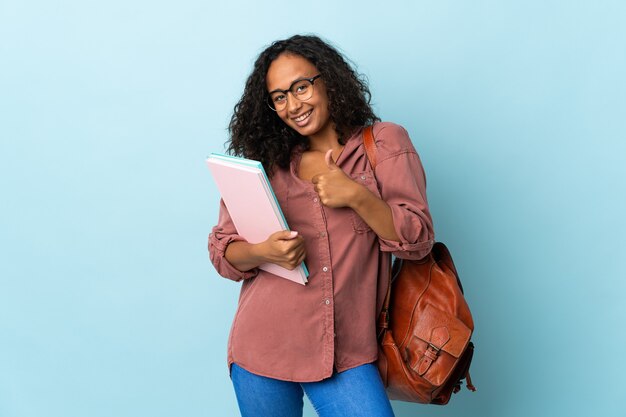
(108, 303)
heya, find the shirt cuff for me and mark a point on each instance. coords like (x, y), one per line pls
(217, 250)
(406, 250)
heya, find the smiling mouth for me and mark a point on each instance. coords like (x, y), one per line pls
(303, 117)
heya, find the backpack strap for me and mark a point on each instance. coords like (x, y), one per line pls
(370, 145)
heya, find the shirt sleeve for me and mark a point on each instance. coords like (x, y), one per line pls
(402, 184)
(221, 236)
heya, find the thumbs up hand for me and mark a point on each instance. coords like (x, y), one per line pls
(334, 187)
(330, 162)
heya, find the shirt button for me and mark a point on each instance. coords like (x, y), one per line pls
(362, 177)
(327, 301)
(322, 234)
(315, 200)
(325, 269)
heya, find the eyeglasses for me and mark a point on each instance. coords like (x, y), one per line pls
(301, 89)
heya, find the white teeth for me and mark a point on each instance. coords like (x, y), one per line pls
(304, 116)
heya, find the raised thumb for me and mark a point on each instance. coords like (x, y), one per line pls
(329, 160)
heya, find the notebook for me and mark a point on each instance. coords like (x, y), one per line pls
(252, 204)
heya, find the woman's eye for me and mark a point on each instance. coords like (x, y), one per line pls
(301, 88)
(278, 98)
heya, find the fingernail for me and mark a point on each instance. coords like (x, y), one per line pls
(293, 233)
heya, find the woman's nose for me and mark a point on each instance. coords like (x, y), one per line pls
(293, 104)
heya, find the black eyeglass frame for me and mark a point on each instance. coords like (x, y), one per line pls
(278, 90)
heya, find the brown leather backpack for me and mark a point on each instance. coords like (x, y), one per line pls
(425, 325)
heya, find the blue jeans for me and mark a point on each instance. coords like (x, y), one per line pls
(357, 392)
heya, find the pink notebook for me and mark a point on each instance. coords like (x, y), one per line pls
(252, 205)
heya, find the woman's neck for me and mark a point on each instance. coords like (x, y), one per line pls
(324, 140)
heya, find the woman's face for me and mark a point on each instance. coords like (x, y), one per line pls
(309, 117)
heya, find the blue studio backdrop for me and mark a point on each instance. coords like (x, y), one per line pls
(109, 305)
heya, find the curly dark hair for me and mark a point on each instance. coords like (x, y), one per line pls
(256, 131)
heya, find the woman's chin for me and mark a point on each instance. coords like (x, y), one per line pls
(305, 130)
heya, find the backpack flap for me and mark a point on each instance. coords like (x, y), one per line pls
(438, 340)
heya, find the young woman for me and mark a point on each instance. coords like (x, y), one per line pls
(302, 114)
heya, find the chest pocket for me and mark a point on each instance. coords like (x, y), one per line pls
(367, 179)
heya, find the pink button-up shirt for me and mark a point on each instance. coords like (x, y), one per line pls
(302, 333)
